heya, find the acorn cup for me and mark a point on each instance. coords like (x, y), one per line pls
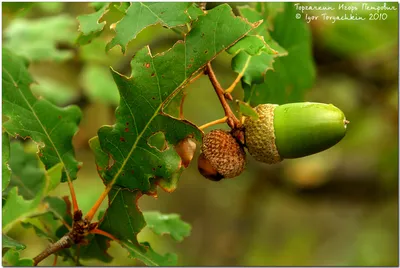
(293, 130)
(222, 156)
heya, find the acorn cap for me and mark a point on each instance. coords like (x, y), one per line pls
(223, 153)
(260, 135)
(293, 130)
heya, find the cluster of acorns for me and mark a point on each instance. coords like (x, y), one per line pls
(280, 131)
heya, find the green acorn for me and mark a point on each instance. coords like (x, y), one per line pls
(293, 130)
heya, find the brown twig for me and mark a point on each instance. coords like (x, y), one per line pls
(80, 229)
(64, 242)
(232, 120)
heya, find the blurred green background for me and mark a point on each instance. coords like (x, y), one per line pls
(338, 207)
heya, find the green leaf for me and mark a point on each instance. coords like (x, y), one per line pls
(254, 57)
(54, 91)
(11, 258)
(59, 208)
(89, 25)
(5, 170)
(265, 27)
(49, 225)
(102, 158)
(255, 53)
(251, 45)
(17, 208)
(141, 15)
(154, 81)
(194, 12)
(40, 231)
(98, 84)
(149, 257)
(96, 249)
(126, 160)
(167, 224)
(293, 74)
(27, 175)
(122, 218)
(37, 40)
(247, 110)
(51, 127)
(8, 242)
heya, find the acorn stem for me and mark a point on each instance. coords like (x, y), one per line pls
(232, 120)
(215, 122)
(233, 85)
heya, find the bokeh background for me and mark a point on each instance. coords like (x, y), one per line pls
(338, 207)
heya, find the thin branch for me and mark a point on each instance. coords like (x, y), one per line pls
(215, 122)
(240, 75)
(233, 85)
(93, 210)
(55, 260)
(232, 120)
(104, 233)
(73, 196)
(64, 242)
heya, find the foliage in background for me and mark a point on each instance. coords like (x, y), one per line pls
(274, 62)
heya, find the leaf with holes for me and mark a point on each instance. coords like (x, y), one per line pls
(122, 206)
(294, 73)
(51, 127)
(138, 152)
(141, 15)
(154, 81)
(167, 224)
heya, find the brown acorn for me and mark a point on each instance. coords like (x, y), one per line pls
(222, 157)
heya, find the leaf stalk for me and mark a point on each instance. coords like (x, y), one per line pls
(232, 120)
